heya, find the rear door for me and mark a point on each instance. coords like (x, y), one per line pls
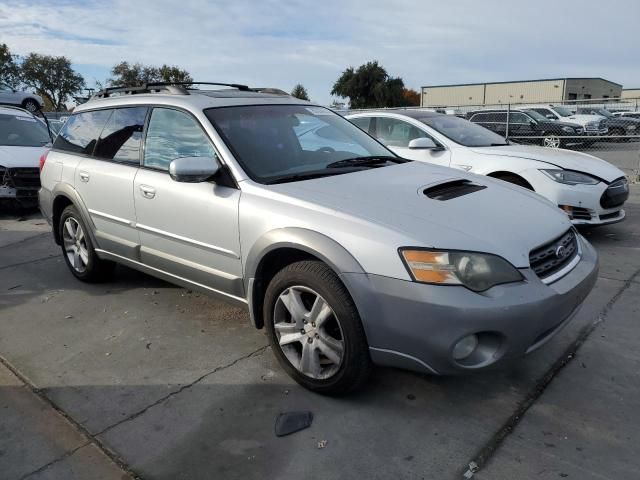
(189, 230)
(108, 142)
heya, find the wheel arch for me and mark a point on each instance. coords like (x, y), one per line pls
(279, 248)
(64, 196)
(500, 174)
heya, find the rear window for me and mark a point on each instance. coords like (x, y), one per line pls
(81, 131)
(120, 139)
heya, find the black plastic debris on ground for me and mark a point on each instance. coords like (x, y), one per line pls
(291, 422)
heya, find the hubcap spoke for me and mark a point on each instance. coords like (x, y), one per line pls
(330, 348)
(84, 255)
(309, 360)
(292, 300)
(68, 225)
(320, 311)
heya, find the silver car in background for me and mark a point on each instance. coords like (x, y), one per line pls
(346, 253)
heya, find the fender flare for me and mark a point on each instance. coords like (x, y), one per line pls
(316, 244)
(70, 193)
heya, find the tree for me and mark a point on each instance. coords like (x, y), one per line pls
(9, 69)
(300, 92)
(52, 77)
(369, 86)
(126, 74)
(410, 98)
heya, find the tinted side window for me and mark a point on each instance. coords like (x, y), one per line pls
(172, 134)
(81, 131)
(518, 118)
(480, 117)
(396, 133)
(121, 136)
(362, 123)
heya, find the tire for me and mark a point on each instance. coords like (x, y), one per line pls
(299, 287)
(78, 251)
(31, 105)
(516, 180)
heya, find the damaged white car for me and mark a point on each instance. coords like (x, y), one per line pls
(23, 140)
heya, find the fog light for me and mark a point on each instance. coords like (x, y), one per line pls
(465, 347)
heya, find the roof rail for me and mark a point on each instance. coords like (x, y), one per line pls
(174, 88)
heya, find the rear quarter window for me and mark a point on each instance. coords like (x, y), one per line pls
(81, 131)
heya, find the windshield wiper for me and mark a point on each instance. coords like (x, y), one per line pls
(294, 177)
(370, 161)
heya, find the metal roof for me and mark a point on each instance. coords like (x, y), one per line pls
(521, 81)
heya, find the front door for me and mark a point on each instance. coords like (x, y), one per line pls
(189, 230)
(396, 134)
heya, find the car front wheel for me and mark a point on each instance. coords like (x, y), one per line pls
(315, 330)
(552, 141)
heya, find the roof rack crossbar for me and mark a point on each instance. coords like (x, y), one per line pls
(180, 88)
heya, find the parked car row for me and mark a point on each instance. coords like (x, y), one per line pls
(347, 250)
(557, 126)
(27, 100)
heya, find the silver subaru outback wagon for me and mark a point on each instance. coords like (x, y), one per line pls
(347, 254)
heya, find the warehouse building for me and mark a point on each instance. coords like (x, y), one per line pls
(631, 93)
(527, 91)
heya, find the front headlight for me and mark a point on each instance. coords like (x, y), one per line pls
(476, 271)
(568, 129)
(569, 177)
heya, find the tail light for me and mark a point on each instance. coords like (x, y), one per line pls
(43, 159)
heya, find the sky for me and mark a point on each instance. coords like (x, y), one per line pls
(278, 43)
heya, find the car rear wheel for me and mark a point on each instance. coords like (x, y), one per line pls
(551, 141)
(315, 330)
(78, 251)
(31, 105)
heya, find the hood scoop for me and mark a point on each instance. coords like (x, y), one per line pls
(454, 189)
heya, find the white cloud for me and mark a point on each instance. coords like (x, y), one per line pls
(279, 43)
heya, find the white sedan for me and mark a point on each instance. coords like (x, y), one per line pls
(590, 190)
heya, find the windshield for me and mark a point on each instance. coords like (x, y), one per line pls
(279, 142)
(463, 132)
(563, 111)
(536, 116)
(604, 112)
(22, 131)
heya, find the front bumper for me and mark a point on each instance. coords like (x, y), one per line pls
(415, 326)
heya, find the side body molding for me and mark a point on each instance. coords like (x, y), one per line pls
(308, 241)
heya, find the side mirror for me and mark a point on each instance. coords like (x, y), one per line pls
(422, 144)
(193, 169)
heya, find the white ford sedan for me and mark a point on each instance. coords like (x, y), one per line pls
(590, 190)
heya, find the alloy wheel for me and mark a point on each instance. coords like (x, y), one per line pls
(308, 332)
(75, 245)
(552, 142)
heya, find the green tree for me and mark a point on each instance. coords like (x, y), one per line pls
(369, 86)
(126, 74)
(300, 92)
(9, 68)
(52, 77)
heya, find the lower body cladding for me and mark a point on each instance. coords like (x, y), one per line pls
(450, 329)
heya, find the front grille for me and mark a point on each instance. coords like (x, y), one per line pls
(555, 255)
(24, 178)
(608, 216)
(602, 125)
(616, 194)
(580, 213)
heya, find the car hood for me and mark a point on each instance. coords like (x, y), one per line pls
(502, 219)
(12, 157)
(565, 159)
(582, 118)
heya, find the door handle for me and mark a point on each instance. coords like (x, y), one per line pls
(147, 191)
(84, 176)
